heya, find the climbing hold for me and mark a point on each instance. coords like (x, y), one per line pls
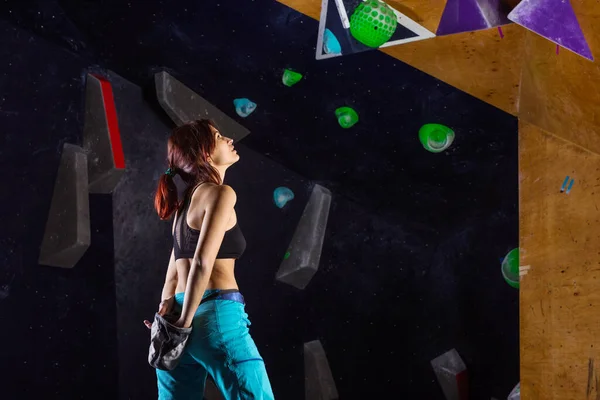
(510, 268)
(564, 185)
(282, 195)
(346, 116)
(472, 15)
(452, 375)
(290, 78)
(555, 21)
(436, 137)
(286, 255)
(307, 243)
(244, 107)
(182, 104)
(373, 23)
(515, 394)
(331, 45)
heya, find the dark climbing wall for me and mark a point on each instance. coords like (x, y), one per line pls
(410, 265)
(58, 326)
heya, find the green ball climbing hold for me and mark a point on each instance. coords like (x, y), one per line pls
(346, 117)
(286, 255)
(436, 137)
(290, 78)
(510, 268)
(373, 23)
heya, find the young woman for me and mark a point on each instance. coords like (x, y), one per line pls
(200, 284)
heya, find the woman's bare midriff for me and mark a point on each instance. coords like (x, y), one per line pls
(222, 276)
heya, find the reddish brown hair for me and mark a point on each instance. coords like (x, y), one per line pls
(187, 150)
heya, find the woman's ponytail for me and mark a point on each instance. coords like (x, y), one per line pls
(165, 200)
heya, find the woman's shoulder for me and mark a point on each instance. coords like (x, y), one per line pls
(214, 188)
(212, 192)
(224, 193)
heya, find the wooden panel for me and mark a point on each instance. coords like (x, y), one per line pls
(560, 296)
(425, 13)
(479, 63)
(312, 8)
(560, 92)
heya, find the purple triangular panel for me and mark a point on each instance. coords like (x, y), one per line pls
(472, 15)
(555, 20)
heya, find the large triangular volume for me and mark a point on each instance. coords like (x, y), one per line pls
(472, 15)
(327, 44)
(555, 20)
(419, 31)
(334, 38)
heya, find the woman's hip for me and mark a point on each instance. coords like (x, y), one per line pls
(220, 331)
(221, 313)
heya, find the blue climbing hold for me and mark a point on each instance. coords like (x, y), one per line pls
(282, 195)
(330, 43)
(244, 107)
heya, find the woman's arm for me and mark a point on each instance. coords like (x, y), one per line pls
(221, 200)
(171, 279)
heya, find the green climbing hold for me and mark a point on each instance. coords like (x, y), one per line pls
(286, 256)
(373, 23)
(346, 117)
(436, 137)
(290, 78)
(510, 268)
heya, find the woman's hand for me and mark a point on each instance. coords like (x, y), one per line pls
(181, 324)
(164, 308)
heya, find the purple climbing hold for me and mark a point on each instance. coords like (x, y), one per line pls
(555, 20)
(472, 15)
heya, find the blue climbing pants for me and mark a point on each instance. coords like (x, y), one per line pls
(220, 346)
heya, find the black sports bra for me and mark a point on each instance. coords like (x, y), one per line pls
(185, 239)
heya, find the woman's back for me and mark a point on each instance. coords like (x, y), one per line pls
(189, 222)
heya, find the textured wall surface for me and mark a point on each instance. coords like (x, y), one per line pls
(560, 293)
(58, 325)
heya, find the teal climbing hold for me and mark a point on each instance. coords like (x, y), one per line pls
(244, 107)
(282, 195)
(331, 45)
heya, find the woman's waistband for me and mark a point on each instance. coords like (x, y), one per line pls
(215, 294)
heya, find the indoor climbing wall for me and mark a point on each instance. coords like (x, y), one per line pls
(462, 60)
(377, 209)
(521, 69)
(379, 198)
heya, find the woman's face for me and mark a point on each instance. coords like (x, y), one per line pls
(224, 153)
